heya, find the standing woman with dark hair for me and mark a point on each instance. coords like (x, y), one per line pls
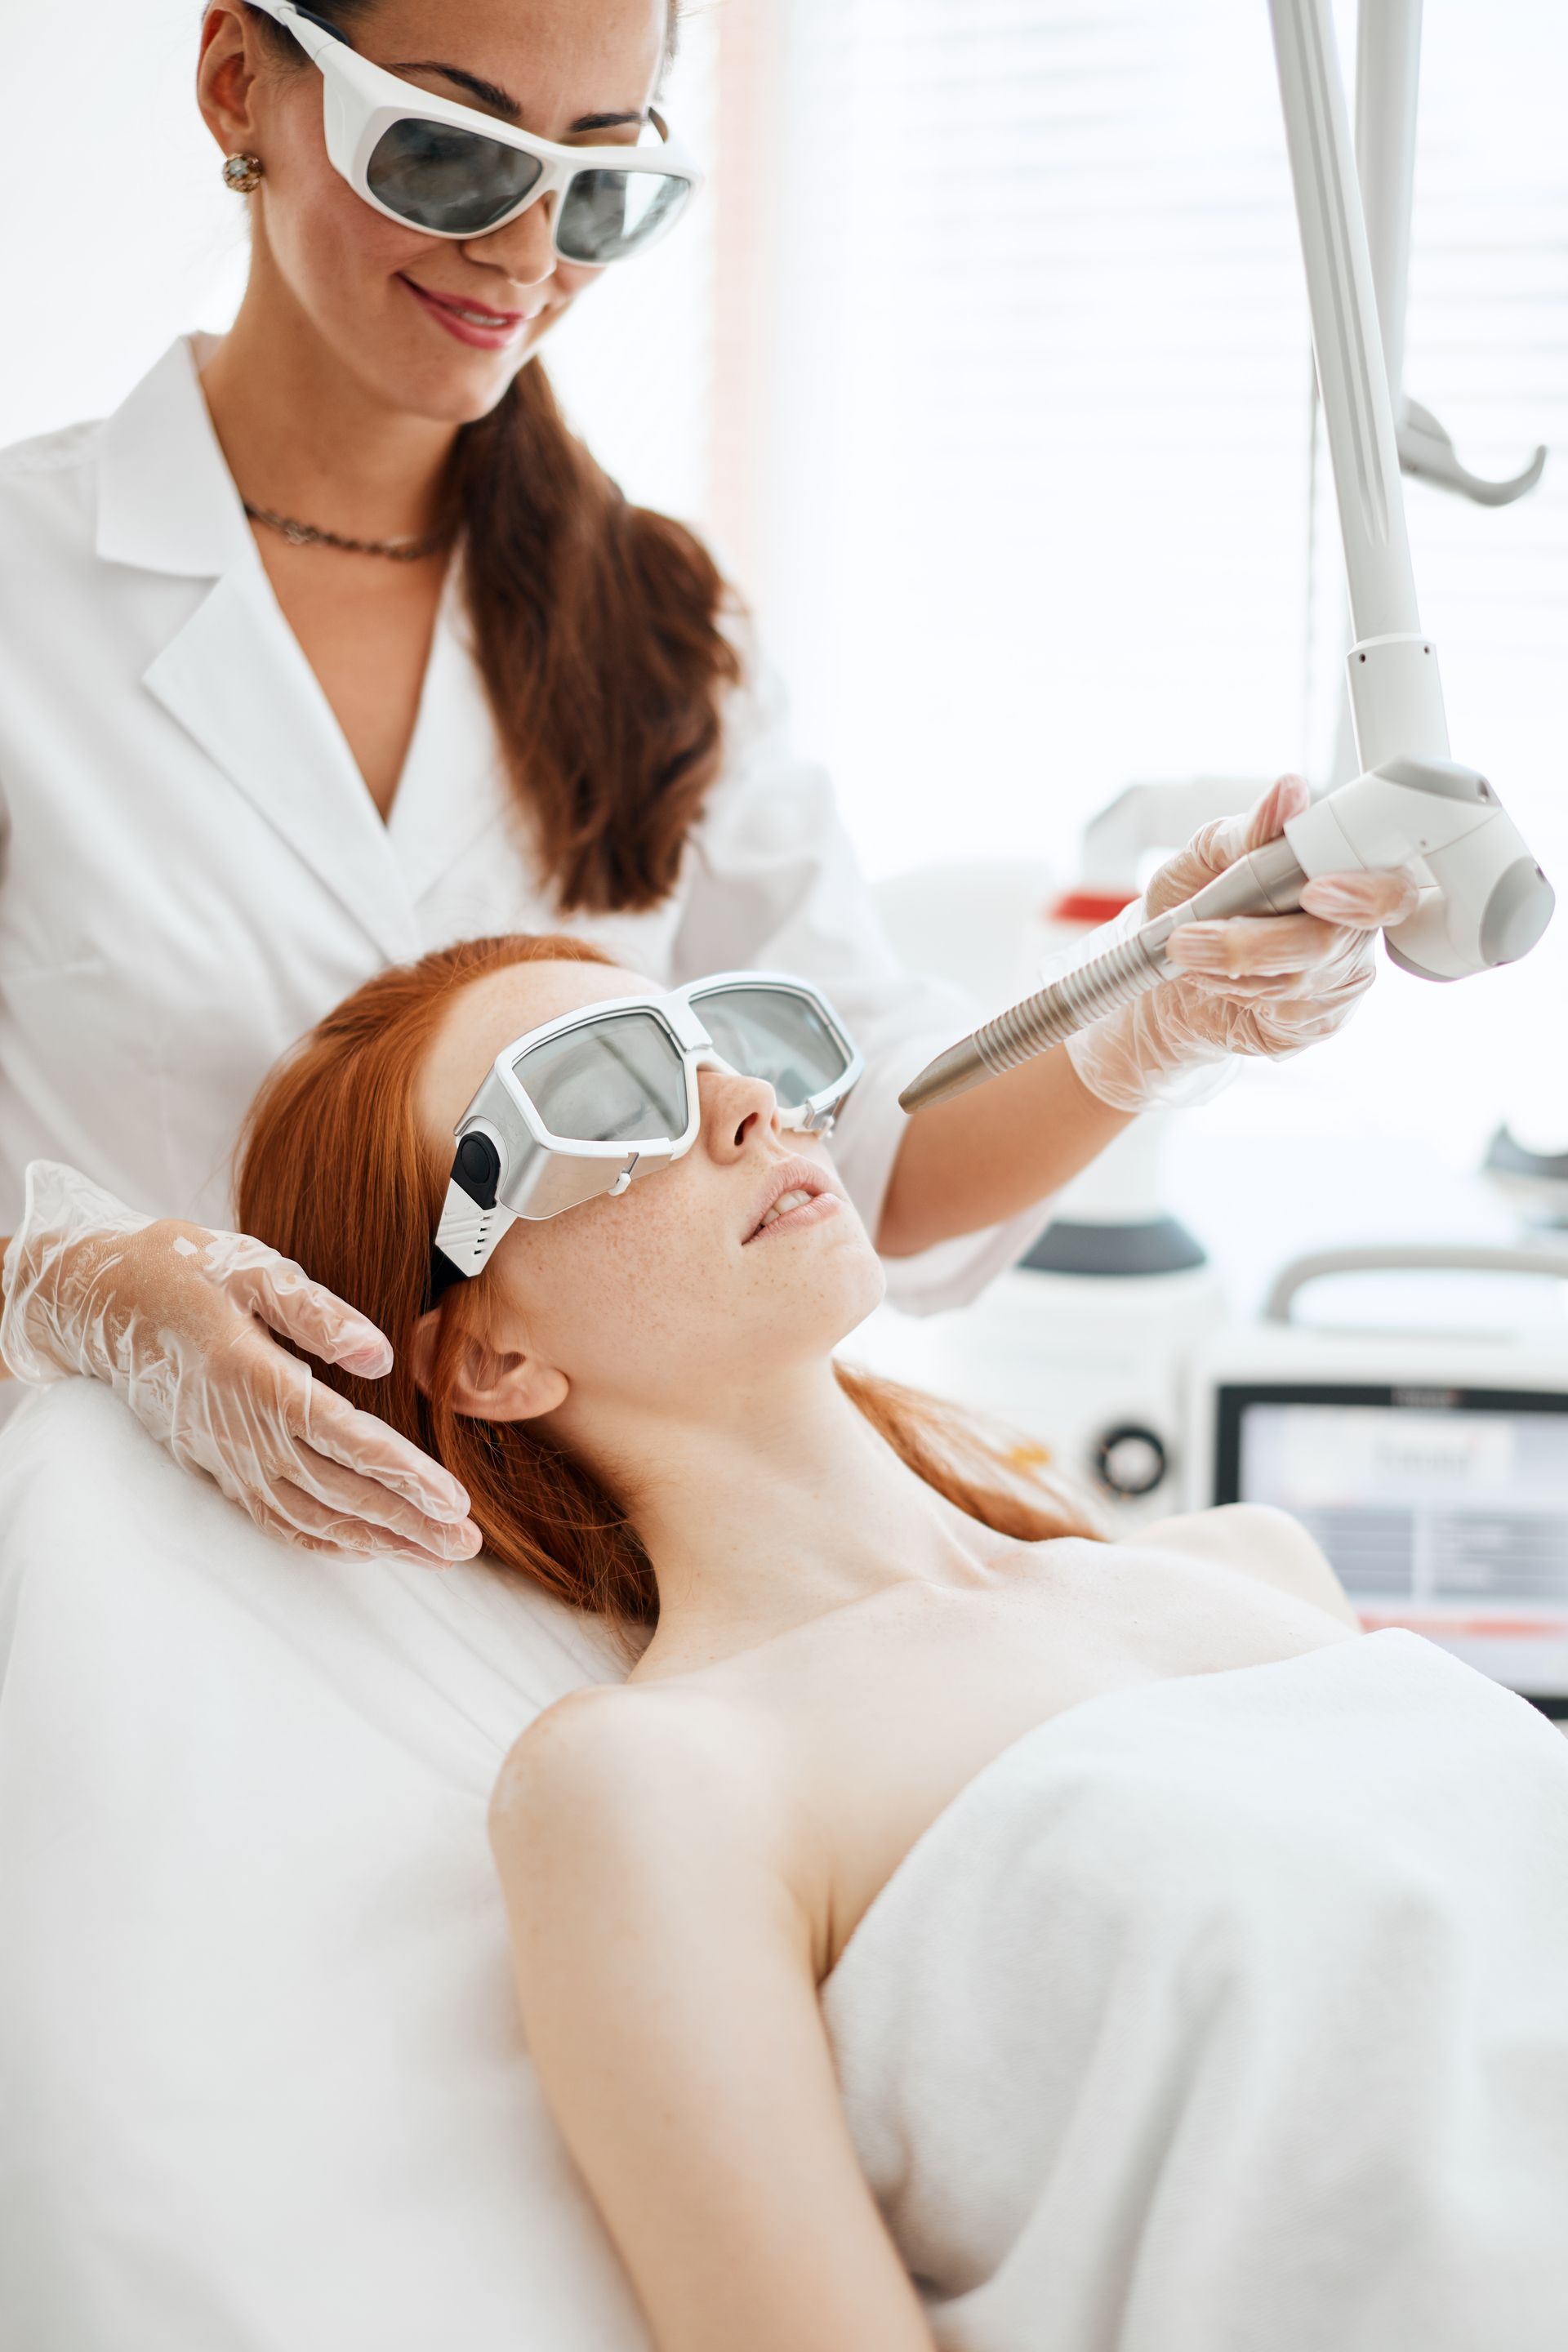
(332, 645)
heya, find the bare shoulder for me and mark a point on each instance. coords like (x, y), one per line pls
(1256, 1540)
(615, 1771)
(665, 1983)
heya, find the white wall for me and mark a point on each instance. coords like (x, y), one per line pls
(115, 229)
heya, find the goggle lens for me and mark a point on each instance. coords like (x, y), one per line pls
(437, 176)
(767, 1033)
(621, 1081)
(455, 182)
(606, 214)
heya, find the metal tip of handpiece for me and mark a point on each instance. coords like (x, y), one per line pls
(953, 1073)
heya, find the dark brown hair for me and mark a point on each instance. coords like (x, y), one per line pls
(346, 1099)
(598, 626)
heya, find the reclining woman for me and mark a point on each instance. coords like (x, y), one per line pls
(852, 1626)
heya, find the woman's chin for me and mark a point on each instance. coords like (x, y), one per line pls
(872, 1295)
(452, 386)
(458, 392)
(830, 1292)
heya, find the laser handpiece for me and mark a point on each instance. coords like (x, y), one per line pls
(1484, 901)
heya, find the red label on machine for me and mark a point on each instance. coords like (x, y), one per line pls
(1089, 906)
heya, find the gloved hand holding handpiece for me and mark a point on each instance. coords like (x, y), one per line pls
(1266, 984)
(1239, 917)
(179, 1322)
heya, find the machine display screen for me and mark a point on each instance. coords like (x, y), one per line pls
(1436, 1499)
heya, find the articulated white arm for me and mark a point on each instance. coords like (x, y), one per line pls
(1397, 697)
(1486, 902)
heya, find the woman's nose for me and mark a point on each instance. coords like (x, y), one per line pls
(736, 1112)
(524, 248)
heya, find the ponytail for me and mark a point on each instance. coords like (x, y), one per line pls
(598, 631)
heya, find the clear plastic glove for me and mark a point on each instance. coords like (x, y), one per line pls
(1269, 984)
(176, 1319)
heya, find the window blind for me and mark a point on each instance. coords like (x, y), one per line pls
(1041, 410)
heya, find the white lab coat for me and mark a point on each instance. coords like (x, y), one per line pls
(191, 872)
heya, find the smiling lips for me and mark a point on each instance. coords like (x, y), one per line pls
(471, 322)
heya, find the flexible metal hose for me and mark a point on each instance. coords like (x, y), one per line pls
(1267, 881)
(1051, 1016)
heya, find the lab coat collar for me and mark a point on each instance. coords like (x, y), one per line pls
(236, 678)
(166, 500)
(234, 675)
(236, 681)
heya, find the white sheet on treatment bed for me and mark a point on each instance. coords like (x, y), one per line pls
(262, 2088)
(1232, 2016)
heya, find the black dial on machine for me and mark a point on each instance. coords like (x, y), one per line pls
(1131, 1460)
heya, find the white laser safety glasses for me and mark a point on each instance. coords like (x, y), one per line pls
(452, 171)
(585, 1104)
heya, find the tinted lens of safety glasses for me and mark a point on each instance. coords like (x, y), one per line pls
(621, 1081)
(437, 176)
(606, 214)
(766, 1033)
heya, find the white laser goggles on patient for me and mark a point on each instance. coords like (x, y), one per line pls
(452, 170)
(589, 1102)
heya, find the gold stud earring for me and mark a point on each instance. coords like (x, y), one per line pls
(242, 174)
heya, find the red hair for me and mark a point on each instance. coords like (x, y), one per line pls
(335, 1172)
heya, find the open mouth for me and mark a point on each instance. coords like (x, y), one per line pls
(798, 1195)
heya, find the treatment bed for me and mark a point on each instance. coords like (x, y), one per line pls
(263, 2086)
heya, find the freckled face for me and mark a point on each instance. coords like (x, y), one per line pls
(389, 301)
(667, 1291)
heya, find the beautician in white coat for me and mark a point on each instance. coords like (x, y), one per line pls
(332, 645)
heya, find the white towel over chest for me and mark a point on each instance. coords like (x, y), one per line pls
(1231, 2015)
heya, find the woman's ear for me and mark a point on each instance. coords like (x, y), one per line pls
(488, 1382)
(226, 78)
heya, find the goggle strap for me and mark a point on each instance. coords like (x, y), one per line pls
(443, 1275)
(465, 1238)
(334, 32)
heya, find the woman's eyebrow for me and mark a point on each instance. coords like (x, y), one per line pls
(499, 101)
(488, 93)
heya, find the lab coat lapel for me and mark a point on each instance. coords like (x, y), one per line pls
(237, 682)
(234, 675)
(454, 784)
